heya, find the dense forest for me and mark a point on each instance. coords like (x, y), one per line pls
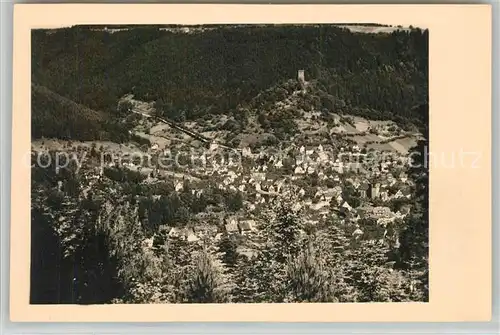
(219, 71)
(54, 116)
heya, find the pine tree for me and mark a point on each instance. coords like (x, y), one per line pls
(414, 239)
(285, 234)
(206, 284)
(335, 247)
(307, 278)
(247, 279)
(372, 276)
(227, 248)
(263, 278)
(178, 264)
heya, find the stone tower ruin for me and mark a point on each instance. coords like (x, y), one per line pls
(301, 76)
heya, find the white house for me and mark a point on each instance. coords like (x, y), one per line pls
(213, 146)
(403, 177)
(231, 227)
(174, 232)
(322, 157)
(299, 170)
(384, 196)
(318, 194)
(179, 186)
(246, 152)
(398, 194)
(246, 226)
(357, 233)
(191, 236)
(203, 159)
(346, 205)
(148, 242)
(258, 187)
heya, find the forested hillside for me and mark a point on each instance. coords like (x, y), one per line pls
(54, 116)
(215, 71)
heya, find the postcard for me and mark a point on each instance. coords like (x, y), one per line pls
(251, 163)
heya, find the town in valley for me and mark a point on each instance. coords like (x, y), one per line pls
(299, 191)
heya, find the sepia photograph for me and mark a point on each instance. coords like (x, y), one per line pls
(229, 163)
(207, 163)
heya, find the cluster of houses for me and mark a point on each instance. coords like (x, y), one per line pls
(266, 180)
(244, 227)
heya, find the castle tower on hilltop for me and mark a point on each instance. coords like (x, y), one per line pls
(301, 76)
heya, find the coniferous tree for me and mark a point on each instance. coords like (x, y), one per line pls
(206, 283)
(285, 234)
(414, 239)
(248, 280)
(227, 248)
(307, 278)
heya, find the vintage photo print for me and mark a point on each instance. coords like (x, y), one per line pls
(237, 164)
(229, 163)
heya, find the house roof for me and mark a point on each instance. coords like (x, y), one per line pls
(406, 191)
(364, 187)
(365, 209)
(405, 209)
(318, 193)
(329, 192)
(338, 188)
(231, 227)
(343, 210)
(346, 205)
(191, 237)
(357, 232)
(246, 225)
(381, 209)
(174, 230)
